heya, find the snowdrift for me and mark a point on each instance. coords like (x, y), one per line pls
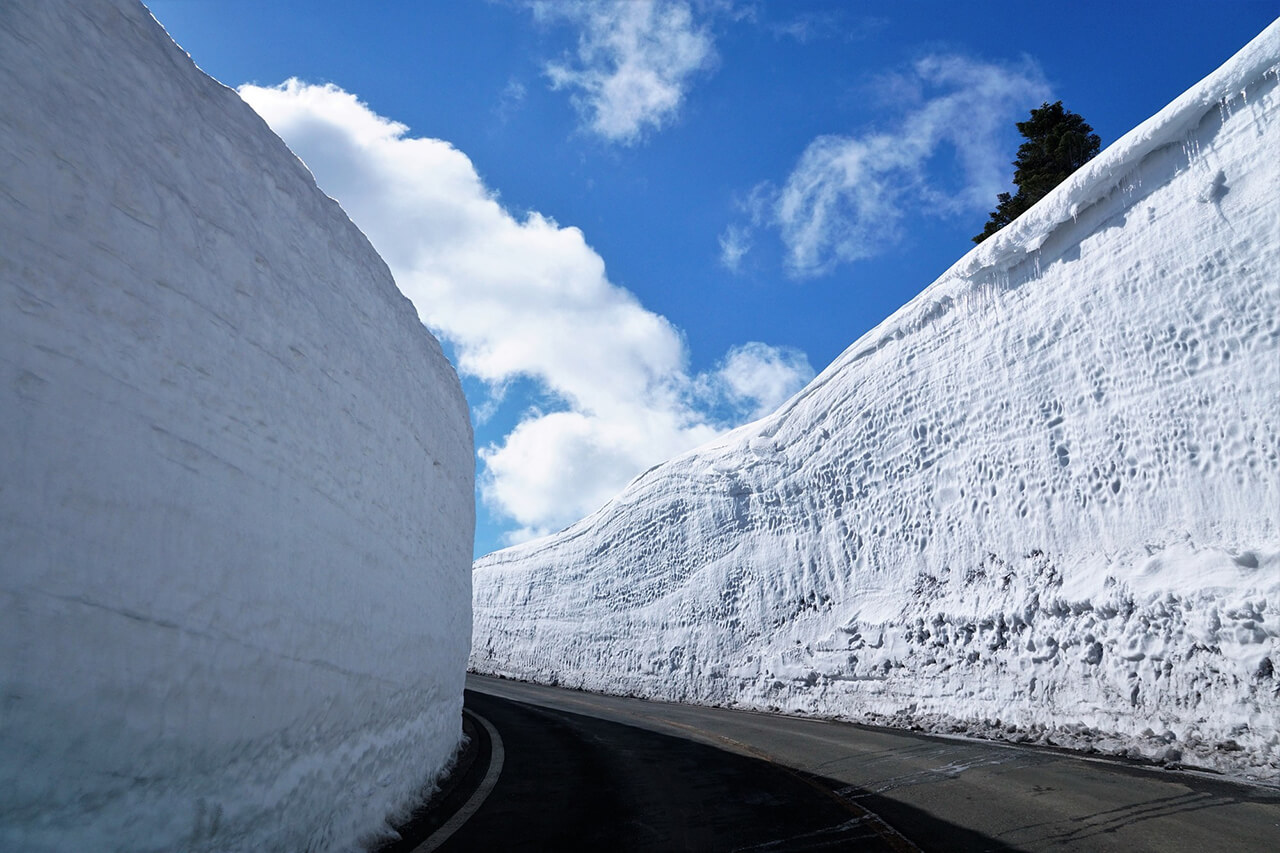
(1041, 501)
(236, 483)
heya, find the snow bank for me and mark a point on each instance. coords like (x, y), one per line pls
(236, 503)
(1041, 501)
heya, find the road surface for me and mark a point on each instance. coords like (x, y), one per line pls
(584, 771)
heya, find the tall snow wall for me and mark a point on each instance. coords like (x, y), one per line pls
(236, 476)
(1041, 501)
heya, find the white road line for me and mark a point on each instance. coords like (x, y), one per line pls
(441, 835)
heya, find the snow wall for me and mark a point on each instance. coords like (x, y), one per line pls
(236, 472)
(1041, 501)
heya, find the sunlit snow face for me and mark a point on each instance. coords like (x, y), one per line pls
(1039, 501)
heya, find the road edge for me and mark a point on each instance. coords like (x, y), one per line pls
(455, 822)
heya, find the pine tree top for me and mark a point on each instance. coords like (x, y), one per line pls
(1058, 142)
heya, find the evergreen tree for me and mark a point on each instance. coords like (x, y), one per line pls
(1058, 143)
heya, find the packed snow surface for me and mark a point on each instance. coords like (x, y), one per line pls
(236, 477)
(1041, 501)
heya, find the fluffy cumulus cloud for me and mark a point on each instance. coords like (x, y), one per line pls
(847, 195)
(634, 63)
(758, 378)
(520, 298)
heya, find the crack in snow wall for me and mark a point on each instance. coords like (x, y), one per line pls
(1041, 501)
(236, 484)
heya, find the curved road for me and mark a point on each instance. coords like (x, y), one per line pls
(590, 772)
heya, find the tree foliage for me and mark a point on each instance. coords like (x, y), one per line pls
(1058, 142)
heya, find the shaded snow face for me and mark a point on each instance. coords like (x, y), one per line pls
(236, 485)
(1042, 501)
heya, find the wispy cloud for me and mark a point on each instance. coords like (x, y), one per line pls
(510, 100)
(838, 22)
(735, 242)
(634, 63)
(522, 298)
(848, 194)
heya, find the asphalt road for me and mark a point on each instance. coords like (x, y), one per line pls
(590, 772)
(576, 782)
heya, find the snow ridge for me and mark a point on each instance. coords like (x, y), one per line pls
(1040, 502)
(236, 484)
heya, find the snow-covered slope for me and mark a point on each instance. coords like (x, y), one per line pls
(1041, 501)
(236, 472)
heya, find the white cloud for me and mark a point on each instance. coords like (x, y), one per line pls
(735, 242)
(555, 468)
(838, 22)
(515, 298)
(847, 195)
(510, 99)
(758, 378)
(810, 26)
(635, 61)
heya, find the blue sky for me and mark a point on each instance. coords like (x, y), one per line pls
(636, 224)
